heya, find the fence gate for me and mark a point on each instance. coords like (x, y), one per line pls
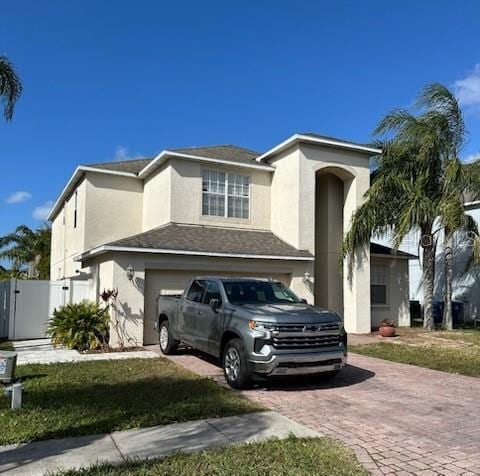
(28, 305)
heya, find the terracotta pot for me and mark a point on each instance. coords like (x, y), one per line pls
(387, 331)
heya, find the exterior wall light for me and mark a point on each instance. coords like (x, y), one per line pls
(130, 272)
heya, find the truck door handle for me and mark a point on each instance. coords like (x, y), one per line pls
(199, 313)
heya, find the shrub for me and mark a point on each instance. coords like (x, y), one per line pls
(82, 326)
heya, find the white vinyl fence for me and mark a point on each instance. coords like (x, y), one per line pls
(27, 305)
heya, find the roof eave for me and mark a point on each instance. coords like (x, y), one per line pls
(108, 248)
(296, 138)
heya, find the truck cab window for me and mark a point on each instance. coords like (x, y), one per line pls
(212, 291)
(195, 292)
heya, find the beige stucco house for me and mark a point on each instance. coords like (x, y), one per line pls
(146, 226)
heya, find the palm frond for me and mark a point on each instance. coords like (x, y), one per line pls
(10, 87)
(439, 99)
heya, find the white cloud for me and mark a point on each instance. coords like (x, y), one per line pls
(122, 153)
(467, 89)
(18, 197)
(41, 212)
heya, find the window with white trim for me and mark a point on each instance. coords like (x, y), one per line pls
(225, 194)
(378, 284)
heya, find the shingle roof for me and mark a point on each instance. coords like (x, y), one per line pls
(377, 249)
(132, 166)
(211, 239)
(222, 152)
(228, 152)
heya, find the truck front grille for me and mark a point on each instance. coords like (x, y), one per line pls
(328, 326)
(305, 341)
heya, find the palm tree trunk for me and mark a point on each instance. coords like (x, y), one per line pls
(428, 280)
(447, 311)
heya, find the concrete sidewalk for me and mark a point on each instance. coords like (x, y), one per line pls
(70, 453)
(41, 351)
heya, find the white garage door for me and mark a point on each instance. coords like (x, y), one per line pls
(174, 282)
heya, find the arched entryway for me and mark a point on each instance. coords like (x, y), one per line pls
(332, 196)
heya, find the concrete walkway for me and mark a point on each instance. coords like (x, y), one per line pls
(41, 351)
(73, 453)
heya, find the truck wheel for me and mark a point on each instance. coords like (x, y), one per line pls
(168, 345)
(235, 365)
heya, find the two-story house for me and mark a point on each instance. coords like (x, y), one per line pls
(146, 226)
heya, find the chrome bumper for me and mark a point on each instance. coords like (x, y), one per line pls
(300, 364)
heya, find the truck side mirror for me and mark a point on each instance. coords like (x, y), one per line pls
(215, 304)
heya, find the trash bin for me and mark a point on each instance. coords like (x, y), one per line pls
(457, 312)
(8, 362)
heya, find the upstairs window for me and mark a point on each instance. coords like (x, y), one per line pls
(213, 196)
(75, 203)
(379, 284)
(225, 194)
(238, 196)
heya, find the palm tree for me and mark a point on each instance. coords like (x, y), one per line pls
(10, 87)
(408, 190)
(26, 247)
(401, 199)
(454, 219)
(42, 249)
(442, 107)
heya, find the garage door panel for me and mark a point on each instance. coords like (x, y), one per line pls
(173, 282)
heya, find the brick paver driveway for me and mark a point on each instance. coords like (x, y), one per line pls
(399, 419)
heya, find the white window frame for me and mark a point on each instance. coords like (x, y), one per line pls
(386, 269)
(226, 195)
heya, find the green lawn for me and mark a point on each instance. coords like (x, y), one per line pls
(293, 456)
(455, 352)
(6, 345)
(471, 335)
(87, 398)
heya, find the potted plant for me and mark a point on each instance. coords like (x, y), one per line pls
(387, 328)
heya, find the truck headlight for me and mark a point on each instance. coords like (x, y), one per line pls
(260, 326)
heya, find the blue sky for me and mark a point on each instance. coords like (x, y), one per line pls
(106, 80)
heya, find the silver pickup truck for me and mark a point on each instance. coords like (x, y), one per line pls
(256, 327)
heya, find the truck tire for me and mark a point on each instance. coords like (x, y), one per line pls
(235, 365)
(168, 345)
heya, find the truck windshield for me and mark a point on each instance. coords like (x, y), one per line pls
(259, 292)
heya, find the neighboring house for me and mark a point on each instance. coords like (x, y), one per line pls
(466, 281)
(146, 226)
